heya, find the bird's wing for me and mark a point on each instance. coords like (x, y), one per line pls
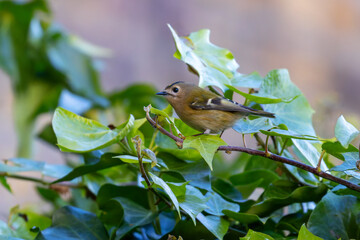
(216, 103)
(223, 104)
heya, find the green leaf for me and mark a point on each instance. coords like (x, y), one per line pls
(336, 217)
(247, 126)
(82, 77)
(297, 114)
(216, 225)
(244, 218)
(134, 215)
(74, 223)
(158, 181)
(197, 173)
(226, 190)
(307, 153)
(350, 162)
(106, 160)
(337, 150)
(192, 202)
(252, 235)
(254, 98)
(252, 80)
(5, 183)
(131, 159)
(207, 145)
(248, 181)
(305, 234)
(215, 66)
(345, 132)
(28, 165)
(78, 134)
(217, 204)
(287, 134)
(283, 193)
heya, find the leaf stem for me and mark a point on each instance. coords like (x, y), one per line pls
(320, 160)
(39, 180)
(273, 157)
(284, 146)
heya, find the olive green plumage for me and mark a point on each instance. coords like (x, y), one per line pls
(204, 110)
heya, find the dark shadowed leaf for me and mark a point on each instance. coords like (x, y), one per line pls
(106, 160)
(285, 193)
(74, 223)
(216, 225)
(336, 217)
(216, 204)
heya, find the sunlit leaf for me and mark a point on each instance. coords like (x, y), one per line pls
(345, 132)
(78, 134)
(252, 235)
(215, 66)
(297, 114)
(205, 144)
(247, 126)
(305, 234)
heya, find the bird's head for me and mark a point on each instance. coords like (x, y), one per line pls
(177, 92)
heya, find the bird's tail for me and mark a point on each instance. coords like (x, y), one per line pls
(262, 113)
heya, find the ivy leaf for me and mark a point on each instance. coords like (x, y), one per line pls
(252, 80)
(217, 204)
(287, 134)
(216, 225)
(336, 217)
(244, 218)
(307, 152)
(74, 223)
(105, 161)
(193, 202)
(345, 132)
(158, 181)
(131, 159)
(205, 144)
(79, 134)
(215, 66)
(254, 98)
(305, 234)
(337, 150)
(283, 193)
(297, 114)
(252, 235)
(247, 126)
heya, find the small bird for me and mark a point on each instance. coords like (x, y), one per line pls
(204, 110)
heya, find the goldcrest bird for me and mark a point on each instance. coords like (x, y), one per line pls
(204, 110)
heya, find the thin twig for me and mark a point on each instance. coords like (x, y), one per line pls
(271, 156)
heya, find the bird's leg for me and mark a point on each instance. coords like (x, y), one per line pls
(221, 133)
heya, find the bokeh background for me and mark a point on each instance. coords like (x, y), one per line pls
(318, 41)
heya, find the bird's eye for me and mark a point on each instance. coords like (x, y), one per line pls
(175, 89)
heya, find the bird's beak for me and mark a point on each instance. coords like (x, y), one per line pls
(163, 93)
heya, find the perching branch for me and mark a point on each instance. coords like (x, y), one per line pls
(268, 155)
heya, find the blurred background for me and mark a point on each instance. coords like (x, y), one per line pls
(318, 41)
